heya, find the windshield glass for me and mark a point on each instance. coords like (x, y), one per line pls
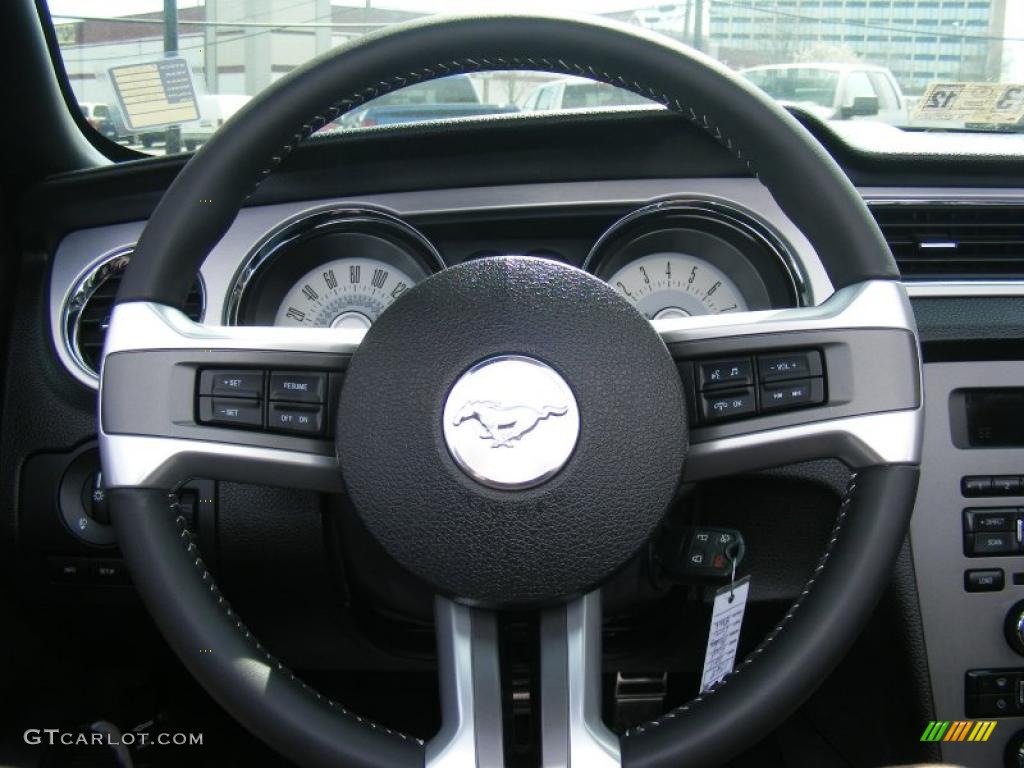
(162, 76)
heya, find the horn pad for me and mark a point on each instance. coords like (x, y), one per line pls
(512, 431)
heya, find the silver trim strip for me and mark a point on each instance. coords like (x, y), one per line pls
(947, 289)
(871, 304)
(145, 325)
(572, 731)
(131, 461)
(470, 678)
(892, 437)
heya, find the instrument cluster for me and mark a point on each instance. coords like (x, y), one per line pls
(342, 268)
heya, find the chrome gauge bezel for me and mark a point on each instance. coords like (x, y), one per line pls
(266, 255)
(762, 284)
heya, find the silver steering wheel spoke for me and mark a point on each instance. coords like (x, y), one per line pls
(869, 409)
(152, 430)
(469, 673)
(572, 730)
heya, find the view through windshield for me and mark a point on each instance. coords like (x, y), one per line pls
(162, 76)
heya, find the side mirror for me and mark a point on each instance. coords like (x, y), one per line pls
(862, 106)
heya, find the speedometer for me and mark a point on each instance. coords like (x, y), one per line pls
(332, 268)
(344, 293)
(672, 285)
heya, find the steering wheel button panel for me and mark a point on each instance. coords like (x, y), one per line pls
(298, 387)
(231, 383)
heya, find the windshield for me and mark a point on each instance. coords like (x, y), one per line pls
(162, 76)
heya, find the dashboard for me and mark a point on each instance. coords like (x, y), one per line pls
(674, 248)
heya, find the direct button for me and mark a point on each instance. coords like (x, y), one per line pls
(231, 383)
(718, 373)
(296, 419)
(298, 387)
(987, 580)
(230, 412)
(989, 520)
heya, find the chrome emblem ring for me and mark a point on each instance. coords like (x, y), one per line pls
(511, 422)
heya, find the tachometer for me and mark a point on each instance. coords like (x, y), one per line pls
(344, 293)
(678, 258)
(670, 285)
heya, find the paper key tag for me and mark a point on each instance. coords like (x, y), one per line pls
(726, 620)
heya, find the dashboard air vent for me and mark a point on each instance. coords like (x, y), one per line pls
(948, 241)
(87, 310)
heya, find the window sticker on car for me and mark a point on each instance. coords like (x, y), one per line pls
(156, 93)
(981, 103)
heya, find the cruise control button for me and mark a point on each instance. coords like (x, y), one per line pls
(719, 373)
(231, 383)
(231, 412)
(789, 365)
(296, 419)
(729, 405)
(790, 394)
(298, 387)
(987, 580)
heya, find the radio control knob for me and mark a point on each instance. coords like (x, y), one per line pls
(1014, 627)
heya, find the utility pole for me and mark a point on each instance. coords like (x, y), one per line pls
(698, 25)
(172, 139)
(210, 64)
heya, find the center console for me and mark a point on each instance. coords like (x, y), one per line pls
(967, 536)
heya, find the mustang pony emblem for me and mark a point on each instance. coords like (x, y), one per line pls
(503, 424)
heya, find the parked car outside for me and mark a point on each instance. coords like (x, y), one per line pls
(839, 91)
(444, 99)
(579, 93)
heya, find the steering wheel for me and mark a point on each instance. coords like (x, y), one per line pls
(542, 515)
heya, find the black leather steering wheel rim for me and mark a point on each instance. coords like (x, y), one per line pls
(806, 182)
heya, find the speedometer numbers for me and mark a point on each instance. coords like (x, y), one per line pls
(671, 285)
(345, 293)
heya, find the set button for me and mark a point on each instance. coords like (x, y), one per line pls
(231, 412)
